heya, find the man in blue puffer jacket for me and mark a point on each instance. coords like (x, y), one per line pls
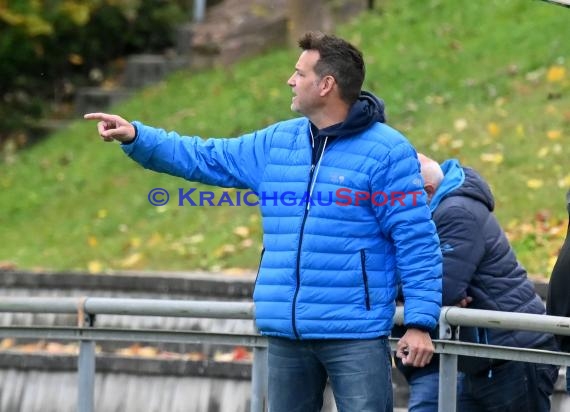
(480, 270)
(326, 285)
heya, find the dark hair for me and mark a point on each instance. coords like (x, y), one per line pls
(339, 59)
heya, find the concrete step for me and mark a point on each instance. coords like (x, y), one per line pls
(95, 99)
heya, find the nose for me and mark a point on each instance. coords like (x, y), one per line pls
(290, 82)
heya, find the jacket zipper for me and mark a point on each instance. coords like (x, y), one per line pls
(365, 279)
(298, 285)
(314, 161)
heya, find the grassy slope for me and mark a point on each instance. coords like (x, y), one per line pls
(483, 82)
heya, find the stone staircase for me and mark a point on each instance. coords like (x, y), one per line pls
(231, 30)
(141, 70)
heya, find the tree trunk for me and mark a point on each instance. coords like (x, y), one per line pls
(309, 15)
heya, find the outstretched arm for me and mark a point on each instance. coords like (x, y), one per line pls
(231, 162)
(112, 127)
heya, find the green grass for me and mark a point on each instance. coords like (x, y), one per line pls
(486, 82)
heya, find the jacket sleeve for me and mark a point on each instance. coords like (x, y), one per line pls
(234, 162)
(407, 222)
(462, 247)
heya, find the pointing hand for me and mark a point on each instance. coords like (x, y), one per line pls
(112, 127)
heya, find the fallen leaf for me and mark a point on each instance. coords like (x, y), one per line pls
(554, 134)
(242, 231)
(556, 74)
(195, 356)
(7, 343)
(444, 139)
(135, 242)
(75, 59)
(240, 354)
(564, 182)
(496, 158)
(224, 250)
(460, 124)
(199, 238)
(493, 129)
(132, 260)
(94, 267)
(543, 152)
(246, 243)
(534, 183)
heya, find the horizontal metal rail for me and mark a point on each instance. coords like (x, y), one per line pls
(131, 335)
(564, 3)
(506, 320)
(86, 309)
(133, 307)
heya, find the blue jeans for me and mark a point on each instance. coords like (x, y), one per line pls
(424, 391)
(359, 371)
(509, 387)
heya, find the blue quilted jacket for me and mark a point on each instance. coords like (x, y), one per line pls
(330, 259)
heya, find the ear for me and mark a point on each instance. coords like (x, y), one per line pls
(430, 190)
(327, 85)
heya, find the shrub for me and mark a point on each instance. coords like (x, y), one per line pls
(49, 48)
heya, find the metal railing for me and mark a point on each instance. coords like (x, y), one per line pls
(87, 334)
(564, 3)
(199, 10)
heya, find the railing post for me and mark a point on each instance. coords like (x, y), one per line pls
(447, 394)
(259, 380)
(199, 10)
(86, 367)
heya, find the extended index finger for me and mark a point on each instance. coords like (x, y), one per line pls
(99, 116)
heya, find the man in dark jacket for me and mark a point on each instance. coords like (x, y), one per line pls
(558, 301)
(480, 269)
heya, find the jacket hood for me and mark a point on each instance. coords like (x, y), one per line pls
(453, 178)
(473, 185)
(367, 110)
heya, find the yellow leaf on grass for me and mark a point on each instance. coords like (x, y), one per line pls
(154, 240)
(556, 74)
(193, 240)
(554, 134)
(241, 231)
(493, 129)
(132, 260)
(444, 139)
(94, 267)
(92, 241)
(543, 152)
(564, 182)
(496, 158)
(246, 243)
(460, 124)
(534, 183)
(224, 250)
